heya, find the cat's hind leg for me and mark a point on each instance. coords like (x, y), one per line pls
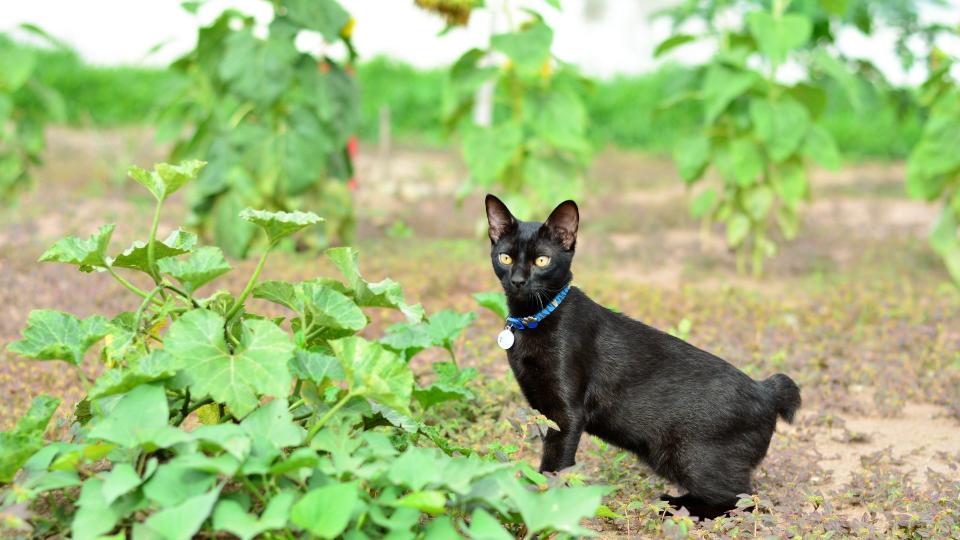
(698, 507)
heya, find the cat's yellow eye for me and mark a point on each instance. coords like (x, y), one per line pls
(505, 259)
(542, 261)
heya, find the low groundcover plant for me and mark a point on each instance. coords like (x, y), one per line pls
(297, 425)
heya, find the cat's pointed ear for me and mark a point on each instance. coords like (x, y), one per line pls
(563, 224)
(499, 217)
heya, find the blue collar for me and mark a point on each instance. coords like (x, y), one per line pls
(522, 323)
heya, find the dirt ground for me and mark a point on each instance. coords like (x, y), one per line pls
(856, 309)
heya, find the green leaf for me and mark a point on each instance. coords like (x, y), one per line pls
(386, 293)
(702, 204)
(444, 327)
(943, 235)
(834, 7)
(26, 438)
(838, 71)
(54, 335)
(181, 522)
(165, 179)
(279, 225)
(488, 151)
(692, 156)
(331, 310)
(94, 516)
(326, 511)
(777, 36)
(721, 86)
(156, 366)
(781, 125)
(16, 65)
(757, 201)
(450, 384)
(790, 182)
(820, 147)
(528, 48)
(935, 158)
(231, 517)
(483, 526)
(737, 228)
(87, 254)
(201, 267)
(556, 509)
(429, 501)
(256, 69)
(177, 481)
(315, 366)
(135, 256)
(374, 372)
(671, 43)
(740, 162)
(272, 424)
(324, 16)
(494, 301)
(257, 366)
(122, 479)
(140, 417)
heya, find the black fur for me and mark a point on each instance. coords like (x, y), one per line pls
(694, 418)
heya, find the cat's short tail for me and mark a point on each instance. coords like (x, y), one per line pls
(785, 393)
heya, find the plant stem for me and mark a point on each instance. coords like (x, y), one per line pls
(151, 250)
(246, 481)
(253, 281)
(323, 420)
(192, 408)
(296, 404)
(130, 286)
(143, 305)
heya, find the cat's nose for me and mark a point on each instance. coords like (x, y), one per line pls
(518, 281)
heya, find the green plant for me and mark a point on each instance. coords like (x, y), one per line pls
(26, 106)
(760, 134)
(297, 426)
(273, 121)
(535, 147)
(933, 169)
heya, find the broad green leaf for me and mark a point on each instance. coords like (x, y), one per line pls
(559, 118)
(177, 481)
(135, 256)
(256, 69)
(834, 7)
(444, 327)
(331, 311)
(87, 254)
(156, 366)
(428, 501)
(528, 48)
(257, 366)
(557, 509)
(280, 292)
(483, 526)
(692, 155)
(95, 516)
(820, 147)
(407, 339)
(201, 267)
(26, 438)
(279, 225)
(702, 204)
(315, 366)
(16, 65)
(450, 384)
(375, 372)
(229, 437)
(385, 293)
(740, 162)
(272, 424)
(671, 43)
(721, 86)
(839, 72)
(54, 335)
(326, 511)
(737, 228)
(777, 36)
(781, 125)
(757, 202)
(231, 517)
(494, 301)
(488, 151)
(182, 521)
(790, 182)
(165, 179)
(943, 235)
(229, 231)
(935, 158)
(324, 16)
(139, 418)
(122, 479)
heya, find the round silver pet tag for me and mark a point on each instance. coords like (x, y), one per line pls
(505, 339)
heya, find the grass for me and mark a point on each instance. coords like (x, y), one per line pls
(624, 111)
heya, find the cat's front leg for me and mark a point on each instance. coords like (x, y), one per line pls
(560, 447)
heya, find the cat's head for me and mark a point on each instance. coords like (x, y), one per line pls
(531, 258)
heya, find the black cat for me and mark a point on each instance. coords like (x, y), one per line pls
(694, 418)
